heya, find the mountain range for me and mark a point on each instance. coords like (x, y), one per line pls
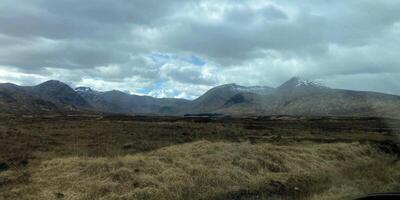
(294, 97)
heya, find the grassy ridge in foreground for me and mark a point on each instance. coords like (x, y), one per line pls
(220, 170)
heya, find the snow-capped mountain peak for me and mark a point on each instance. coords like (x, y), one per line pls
(302, 82)
(297, 82)
(84, 89)
(263, 90)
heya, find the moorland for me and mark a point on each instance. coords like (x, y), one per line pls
(197, 157)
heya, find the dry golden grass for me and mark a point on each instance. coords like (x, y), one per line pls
(217, 170)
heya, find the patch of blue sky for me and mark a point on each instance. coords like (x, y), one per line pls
(195, 60)
(162, 58)
(143, 90)
(154, 86)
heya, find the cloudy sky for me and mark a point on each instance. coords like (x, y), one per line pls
(182, 48)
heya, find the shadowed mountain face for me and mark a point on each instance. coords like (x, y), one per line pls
(294, 97)
(217, 97)
(58, 93)
(49, 96)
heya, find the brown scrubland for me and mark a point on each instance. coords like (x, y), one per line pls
(119, 157)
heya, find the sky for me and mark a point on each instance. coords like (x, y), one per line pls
(176, 48)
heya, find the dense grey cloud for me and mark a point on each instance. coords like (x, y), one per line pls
(182, 48)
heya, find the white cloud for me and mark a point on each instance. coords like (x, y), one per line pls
(109, 45)
(12, 75)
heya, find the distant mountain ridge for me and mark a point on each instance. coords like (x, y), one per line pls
(294, 97)
(120, 102)
(308, 98)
